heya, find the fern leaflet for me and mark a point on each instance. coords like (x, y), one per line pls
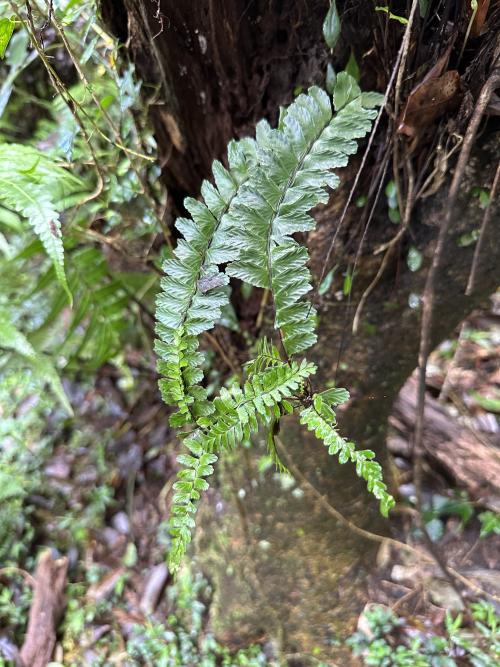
(236, 416)
(320, 419)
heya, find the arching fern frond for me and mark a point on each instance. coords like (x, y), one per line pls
(295, 163)
(320, 419)
(247, 223)
(267, 356)
(38, 189)
(193, 290)
(188, 487)
(236, 416)
(236, 410)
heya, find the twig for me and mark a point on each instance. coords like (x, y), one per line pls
(445, 387)
(229, 363)
(488, 214)
(380, 176)
(95, 99)
(410, 201)
(17, 570)
(45, 610)
(403, 48)
(263, 304)
(70, 102)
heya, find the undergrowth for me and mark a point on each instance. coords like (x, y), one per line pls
(386, 640)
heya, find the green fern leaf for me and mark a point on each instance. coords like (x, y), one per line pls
(38, 188)
(99, 317)
(12, 338)
(188, 487)
(193, 290)
(295, 163)
(236, 416)
(320, 419)
(237, 410)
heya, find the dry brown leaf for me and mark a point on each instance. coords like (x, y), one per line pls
(428, 101)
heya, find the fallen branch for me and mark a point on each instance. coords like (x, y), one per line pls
(474, 465)
(45, 611)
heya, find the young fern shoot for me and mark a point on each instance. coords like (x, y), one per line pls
(245, 228)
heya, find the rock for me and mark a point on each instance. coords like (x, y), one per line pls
(487, 422)
(400, 573)
(121, 523)
(111, 537)
(58, 468)
(443, 595)
(399, 446)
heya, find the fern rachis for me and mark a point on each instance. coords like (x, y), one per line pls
(247, 224)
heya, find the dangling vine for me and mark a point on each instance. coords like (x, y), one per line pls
(244, 228)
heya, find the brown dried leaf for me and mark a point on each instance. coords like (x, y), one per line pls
(429, 100)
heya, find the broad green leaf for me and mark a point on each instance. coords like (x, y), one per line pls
(393, 17)
(331, 25)
(352, 67)
(12, 338)
(331, 77)
(346, 288)
(326, 283)
(6, 30)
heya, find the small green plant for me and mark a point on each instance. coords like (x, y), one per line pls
(388, 642)
(71, 199)
(244, 228)
(181, 640)
(490, 523)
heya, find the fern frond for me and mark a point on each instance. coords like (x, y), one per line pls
(193, 289)
(12, 338)
(190, 483)
(320, 419)
(236, 416)
(99, 316)
(180, 365)
(236, 410)
(267, 355)
(38, 189)
(294, 170)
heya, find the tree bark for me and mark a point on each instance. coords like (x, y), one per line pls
(220, 66)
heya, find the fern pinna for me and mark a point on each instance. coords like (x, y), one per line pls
(244, 228)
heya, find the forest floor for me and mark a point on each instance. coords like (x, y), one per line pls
(98, 493)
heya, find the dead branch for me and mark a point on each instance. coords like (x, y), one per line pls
(45, 611)
(488, 214)
(473, 464)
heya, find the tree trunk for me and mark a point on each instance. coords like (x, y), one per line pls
(287, 569)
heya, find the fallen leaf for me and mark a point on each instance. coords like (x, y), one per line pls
(428, 101)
